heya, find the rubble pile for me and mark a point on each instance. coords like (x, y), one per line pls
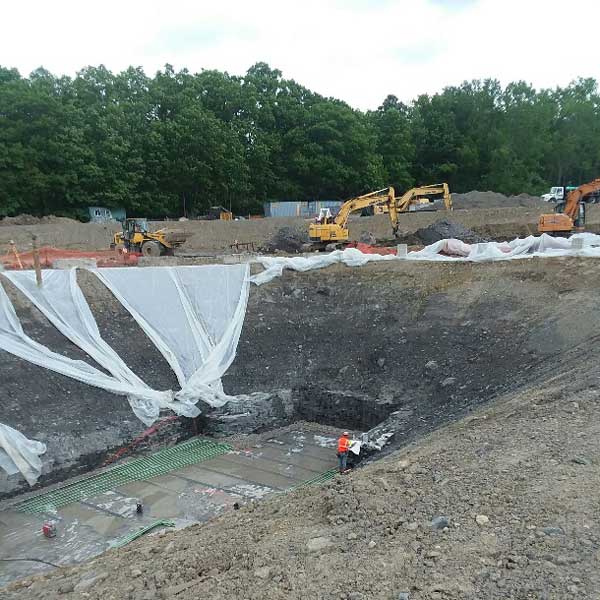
(444, 230)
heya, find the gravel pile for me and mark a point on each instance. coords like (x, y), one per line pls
(477, 199)
(287, 239)
(444, 229)
(31, 220)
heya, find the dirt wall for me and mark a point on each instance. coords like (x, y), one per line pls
(431, 341)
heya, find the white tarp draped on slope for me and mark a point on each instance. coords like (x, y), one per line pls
(194, 316)
(199, 311)
(544, 246)
(17, 453)
(62, 302)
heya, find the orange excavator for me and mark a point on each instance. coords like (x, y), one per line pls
(569, 216)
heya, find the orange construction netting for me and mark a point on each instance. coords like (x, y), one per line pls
(14, 259)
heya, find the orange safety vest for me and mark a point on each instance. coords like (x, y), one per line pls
(343, 444)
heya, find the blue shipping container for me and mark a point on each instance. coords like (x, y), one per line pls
(307, 210)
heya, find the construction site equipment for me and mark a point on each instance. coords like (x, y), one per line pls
(219, 213)
(569, 215)
(136, 237)
(334, 230)
(426, 197)
(557, 193)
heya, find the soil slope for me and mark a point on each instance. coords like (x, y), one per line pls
(517, 483)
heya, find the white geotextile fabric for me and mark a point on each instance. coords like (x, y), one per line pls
(445, 250)
(62, 302)
(194, 316)
(17, 453)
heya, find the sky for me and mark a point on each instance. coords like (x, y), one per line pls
(356, 50)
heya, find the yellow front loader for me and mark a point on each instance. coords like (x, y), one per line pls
(135, 237)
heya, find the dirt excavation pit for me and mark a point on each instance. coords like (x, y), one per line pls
(408, 345)
(398, 350)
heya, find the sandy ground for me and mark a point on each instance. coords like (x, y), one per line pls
(216, 236)
(502, 504)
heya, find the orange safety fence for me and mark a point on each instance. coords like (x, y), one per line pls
(14, 259)
(368, 249)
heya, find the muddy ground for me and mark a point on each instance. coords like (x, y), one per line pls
(501, 504)
(212, 237)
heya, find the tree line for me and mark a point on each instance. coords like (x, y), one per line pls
(178, 142)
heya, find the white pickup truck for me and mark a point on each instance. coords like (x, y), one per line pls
(557, 193)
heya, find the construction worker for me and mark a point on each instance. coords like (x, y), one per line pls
(343, 448)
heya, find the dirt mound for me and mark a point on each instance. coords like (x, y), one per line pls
(287, 239)
(31, 220)
(444, 229)
(488, 199)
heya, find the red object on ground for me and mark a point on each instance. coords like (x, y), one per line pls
(49, 530)
(104, 258)
(368, 249)
(145, 434)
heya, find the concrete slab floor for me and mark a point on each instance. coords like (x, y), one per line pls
(188, 495)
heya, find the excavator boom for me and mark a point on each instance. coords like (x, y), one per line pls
(336, 229)
(422, 195)
(326, 231)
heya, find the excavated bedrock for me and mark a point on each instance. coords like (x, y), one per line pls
(403, 347)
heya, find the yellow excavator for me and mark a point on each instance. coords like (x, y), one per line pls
(333, 230)
(420, 198)
(136, 237)
(329, 229)
(569, 216)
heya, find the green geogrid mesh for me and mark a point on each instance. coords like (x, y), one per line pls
(160, 463)
(322, 478)
(140, 532)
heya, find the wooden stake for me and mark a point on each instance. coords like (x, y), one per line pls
(36, 261)
(13, 249)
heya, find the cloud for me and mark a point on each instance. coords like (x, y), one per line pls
(356, 50)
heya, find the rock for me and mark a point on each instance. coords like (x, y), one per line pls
(263, 572)
(411, 526)
(381, 362)
(372, 544)
(403, 596)
(482, 520)
(553, 531)
(581, 460)
(319, 543)
(366, 237)
(440, 522)
(448, 381)
(355, 596)
(433, 554)
(66, 588)
(352, 536)
(90, 581)
(403, 464)
(135, 572)
(431, 365)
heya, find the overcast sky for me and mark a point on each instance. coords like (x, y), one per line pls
(356, 50)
